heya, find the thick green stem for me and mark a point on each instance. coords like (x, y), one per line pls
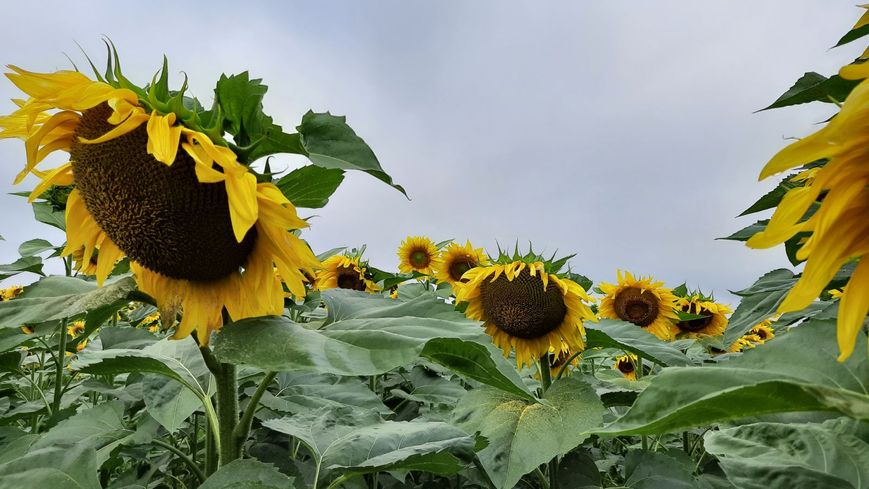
(59, 361)
(183, 456)
(227, 412)
(242, 430)
(546, 382)
(210, 446)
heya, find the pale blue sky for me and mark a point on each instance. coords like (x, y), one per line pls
(621, 131)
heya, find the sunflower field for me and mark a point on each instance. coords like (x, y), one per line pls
(197, 340)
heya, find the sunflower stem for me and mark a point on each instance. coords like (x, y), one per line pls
(58, 374)
(210, 447)
(191, 464)
(242, 430)
(546, 382)
(227, 412)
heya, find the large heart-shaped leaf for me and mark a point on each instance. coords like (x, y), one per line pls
(524, 434)
(765, 455)
(247, 474)
(761, 381)
(72, 466)
(609, 333)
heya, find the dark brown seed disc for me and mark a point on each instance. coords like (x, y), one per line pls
(459, 267)
(521, 307)
(761, 333)
(160, 216)
(635, 306)
(348, 278)
(695, 325)
(625, 366)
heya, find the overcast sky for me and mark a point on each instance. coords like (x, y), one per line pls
(620, 131)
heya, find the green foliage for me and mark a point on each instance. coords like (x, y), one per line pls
(813, 87)
(610, 333)
(310, 186)
(247, 474)
(513, 426)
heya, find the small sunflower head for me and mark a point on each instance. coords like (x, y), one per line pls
(699, 315)
(627, 365)
(75, 328)
(744, 343)
(456, 259)
(641, 301)
(344, 272)
(10, 293)
(763, 331)
(418, 254)
(526, 308)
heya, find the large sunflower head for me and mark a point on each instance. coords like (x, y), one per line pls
(418, 254)
(641, 301)
(155, 180)
(456, 259)
(344, 272)
(627, 365)
(700, 315)
(527, 308)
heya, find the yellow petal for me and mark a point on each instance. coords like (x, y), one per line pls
(61, 175)
(243, 207)
(131, 123)
(163, 137)
(853, 308)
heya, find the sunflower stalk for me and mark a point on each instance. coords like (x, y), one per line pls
(227, 412)
(58, 374)
(242, 429)
(546, 382)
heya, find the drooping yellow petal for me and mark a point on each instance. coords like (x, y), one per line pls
(61, 175)
(131, 123)
(33, 142)
(163, 137)
(243, 206)
(109, 254)
(853, 308)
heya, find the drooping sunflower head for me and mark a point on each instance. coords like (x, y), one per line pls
(641, 301)
(700, 315)
(456, 259)
(418, 254)
(155, 180)
(344, 272)
(763, 331)
(746, 342)
(627, 365)
(10, 293)
(526, 308)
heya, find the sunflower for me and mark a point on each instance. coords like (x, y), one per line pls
(839, 227)
(642, 301)
(418, 254)
(84, 267)
(456, 260)
(744, 343)
(713, 321)
(763, 331)
(75, 329)
(343, 272)
(10, 293)
(154, 184)
(627, 365)
(527, 309)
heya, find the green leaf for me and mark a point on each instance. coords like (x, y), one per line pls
(247, 474)
(44, 212)
(32, 264)
(653, 470)
(610, 333)
(812, 87)
(308, 392)
(168, 401)
(73, 466)
(853, 35)
(478, 362)
(377, 340)
(772, 198)
(348, 442)
(765, 455)
(34, 247)
(577, 470)
(342, 304)
(133, 338)
(763, 380)
(310, 186)
(759, 302)
(101, 428)
(329, 142)
(747, 232)
(54, 298)
(241, 100)
(524, 434)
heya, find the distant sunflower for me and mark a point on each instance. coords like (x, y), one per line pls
(10, 293)
(526, 309)
(154, 184)
(627, 365)
(456, 260)
(89, 267)
(744, 343)
(418, 254)
(642, 301)
(713, 322)
(343, 272)
(839, 227)
(75, 328)
(558, 360)
(763, 331)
